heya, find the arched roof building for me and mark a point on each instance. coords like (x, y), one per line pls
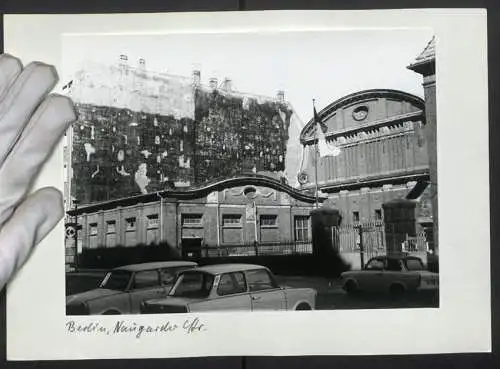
(383, 151)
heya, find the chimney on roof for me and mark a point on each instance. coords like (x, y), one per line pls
(281, 96)
(123, 61)
(227, 84)
(142, 63)
(213, 83)
(196, 77)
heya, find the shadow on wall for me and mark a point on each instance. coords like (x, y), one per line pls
(324, 264)
(112, 257)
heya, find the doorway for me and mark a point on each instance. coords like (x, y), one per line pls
(191, 248)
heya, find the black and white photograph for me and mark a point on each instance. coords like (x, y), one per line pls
(279, 183)
(276, 171)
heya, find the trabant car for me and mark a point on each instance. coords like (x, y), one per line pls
(230, 287)
(124, 288)
(394, 273)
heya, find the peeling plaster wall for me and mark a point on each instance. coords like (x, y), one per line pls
(238, 134)
(140, 132)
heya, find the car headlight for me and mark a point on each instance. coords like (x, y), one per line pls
(81, 308)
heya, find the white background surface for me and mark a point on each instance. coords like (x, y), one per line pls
(36, 309)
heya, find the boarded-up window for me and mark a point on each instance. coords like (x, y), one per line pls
(191, 219)
(231, 220)
(269, 229)
(111, 233)
(93, 235)
(130, 232)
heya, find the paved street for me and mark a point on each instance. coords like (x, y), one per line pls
(330, 293)
(332, 296)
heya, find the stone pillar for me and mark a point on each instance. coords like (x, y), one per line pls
(425, 65)
(399, 222)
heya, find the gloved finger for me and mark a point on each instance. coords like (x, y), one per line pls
(35, 217)
(42, 134)
(10, 68)
(21, 101)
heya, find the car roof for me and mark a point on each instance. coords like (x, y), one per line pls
(228, 268)
(156, 265)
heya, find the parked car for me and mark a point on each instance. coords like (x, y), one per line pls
(395, 274)
(124, 288)
(230, 287)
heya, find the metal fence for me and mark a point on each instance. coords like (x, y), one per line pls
(368, 240)
(259, 249)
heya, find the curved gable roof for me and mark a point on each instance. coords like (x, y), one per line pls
(201, 191)
(359, 96)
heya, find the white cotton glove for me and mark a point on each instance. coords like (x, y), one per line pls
(32, 123)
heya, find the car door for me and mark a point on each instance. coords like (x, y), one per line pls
(371, 279)
(230, 294)
(265, 293)
(145, 285)
(393, 273)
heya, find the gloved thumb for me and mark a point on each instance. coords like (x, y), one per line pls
(32, 220)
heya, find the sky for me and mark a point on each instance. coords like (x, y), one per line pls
(320, 65)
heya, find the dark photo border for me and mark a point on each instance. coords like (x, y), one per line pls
(344, 362)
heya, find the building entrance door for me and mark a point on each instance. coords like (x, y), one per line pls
(191, 248)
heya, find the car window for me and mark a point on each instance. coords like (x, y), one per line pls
(259, 280)
(193, 284)
(167, 276)
(414, 264)
(394, 265)
(116, 280)
(375, 264)
(231, 283)
(146, 279)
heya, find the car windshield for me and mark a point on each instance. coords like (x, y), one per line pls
(116, 280)
(193, 284)
(414, 264)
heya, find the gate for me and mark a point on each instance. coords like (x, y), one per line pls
(359, 242)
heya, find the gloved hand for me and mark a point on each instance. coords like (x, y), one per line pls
(32, 123)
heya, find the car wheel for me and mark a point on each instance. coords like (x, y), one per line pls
(397, 289)
(351, 287)
(111, 312)
(303, 307)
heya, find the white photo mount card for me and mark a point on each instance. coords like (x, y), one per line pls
(261, 183)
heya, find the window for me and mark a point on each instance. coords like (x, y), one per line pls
(301, 228)
(414, 264)
(130, 226)
(268, 220)
(168, 276)
(191, 219)
(93, 229)
(378, 214)
(153, 221)
(231, 283)
(193, 284)
(231, 220)
(259, 280)
(375, 264)
(355, 216)
(111, 226)
(394, 265)
(116, 280)
(146, 279)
